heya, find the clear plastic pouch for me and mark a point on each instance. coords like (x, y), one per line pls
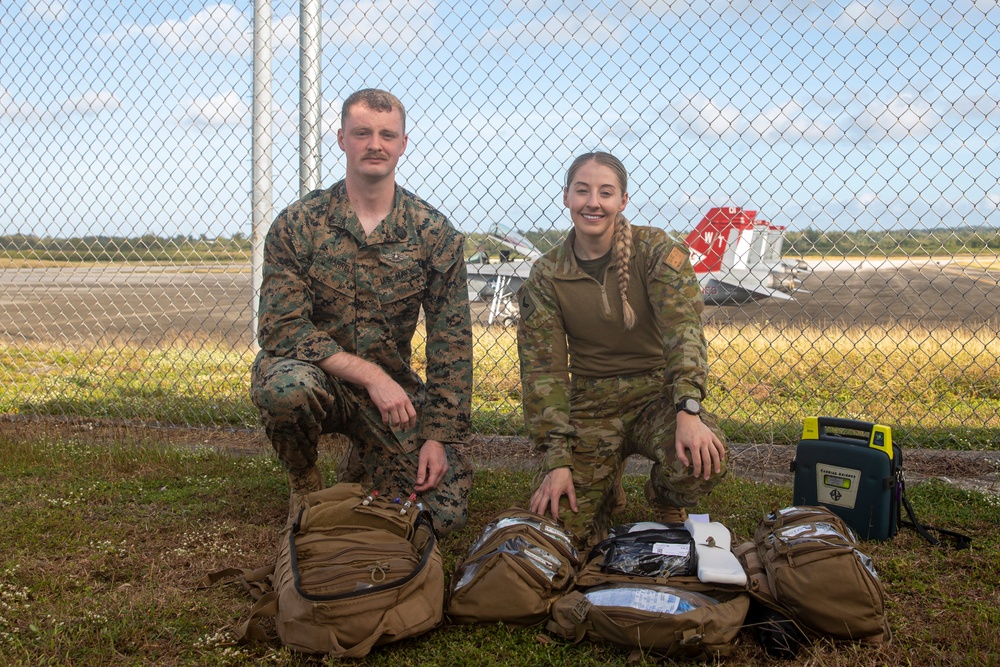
(656, 553)
(655, 599)
(538, 560)
(543, 527)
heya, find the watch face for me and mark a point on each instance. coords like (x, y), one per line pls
(690, 406)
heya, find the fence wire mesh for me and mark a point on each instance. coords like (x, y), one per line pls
(863, 135)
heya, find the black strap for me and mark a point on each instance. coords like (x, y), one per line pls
(960, 541)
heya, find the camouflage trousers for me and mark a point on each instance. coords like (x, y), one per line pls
(298, 403)
(613, 419)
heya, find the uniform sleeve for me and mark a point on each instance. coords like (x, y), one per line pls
(446, 415)
(285, 326)
(677, 304)
(545, 387)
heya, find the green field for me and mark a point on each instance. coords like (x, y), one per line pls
(102, 545)
(937, 389)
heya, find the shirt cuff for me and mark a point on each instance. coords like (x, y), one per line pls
(557, 458)
(685, 389)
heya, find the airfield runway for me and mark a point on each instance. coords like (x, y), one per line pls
(150, 305)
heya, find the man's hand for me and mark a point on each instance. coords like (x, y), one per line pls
(706, 451)
(432, 464)
(558, 483)
(391, 400)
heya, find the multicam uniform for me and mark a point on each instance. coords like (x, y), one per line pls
(328, 288)
(594, 393)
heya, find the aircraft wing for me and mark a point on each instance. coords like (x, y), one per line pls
(485, 279)
(731, 288)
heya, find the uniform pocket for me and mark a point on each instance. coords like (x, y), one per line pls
(400, 283)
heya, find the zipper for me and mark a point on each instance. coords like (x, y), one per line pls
(607, 304)
(429, 549)
(350, 569)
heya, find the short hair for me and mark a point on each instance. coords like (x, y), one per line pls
(374, 99)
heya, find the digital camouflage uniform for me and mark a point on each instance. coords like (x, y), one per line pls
(328, 288)
(594, 393)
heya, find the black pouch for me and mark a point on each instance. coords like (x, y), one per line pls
(655, 552)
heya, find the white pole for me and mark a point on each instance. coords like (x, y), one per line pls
(260, 171)
(310, 94)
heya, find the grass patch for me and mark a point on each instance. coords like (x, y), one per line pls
(936, 388)
(101, 545)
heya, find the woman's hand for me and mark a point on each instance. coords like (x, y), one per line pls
(558, 483)
(695, 438)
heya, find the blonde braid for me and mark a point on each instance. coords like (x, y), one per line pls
(621, 249)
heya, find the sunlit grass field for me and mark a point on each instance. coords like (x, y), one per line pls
(937, 388)
(102, 545)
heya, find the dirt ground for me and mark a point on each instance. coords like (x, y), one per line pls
(976, 471)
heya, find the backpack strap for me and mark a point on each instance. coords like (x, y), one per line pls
(251, 629)
(959, 541)
(256, 582)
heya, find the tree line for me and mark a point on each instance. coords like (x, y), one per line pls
(145, 248)
(957, 241)
(202, 248)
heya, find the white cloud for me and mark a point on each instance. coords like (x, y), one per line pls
(91, 102)
(44, 11)
(901, 117)
(215, 29)
(402, 25)
(224, 109)
(19, 111)
(699, 115)
(976, 109)
(580, 25)
(865, 198)
(868, 16)
(331, 117)
(793, 122)
(228, 29)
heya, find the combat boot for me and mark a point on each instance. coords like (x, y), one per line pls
(668, 514)
(664, 513)
(302, 484)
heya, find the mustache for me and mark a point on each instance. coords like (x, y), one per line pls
(375, 154)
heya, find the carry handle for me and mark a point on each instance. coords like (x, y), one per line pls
(865, 433)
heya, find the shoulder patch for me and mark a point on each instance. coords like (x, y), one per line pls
(675, 258)
(525, 304)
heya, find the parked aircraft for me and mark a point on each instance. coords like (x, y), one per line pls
(736, 257)
(498, 282)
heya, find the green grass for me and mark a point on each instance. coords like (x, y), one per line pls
(935, 388)
(102, 545)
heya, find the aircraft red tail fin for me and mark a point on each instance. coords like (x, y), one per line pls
(710, 239)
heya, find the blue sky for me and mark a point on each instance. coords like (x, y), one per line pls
(134, 117)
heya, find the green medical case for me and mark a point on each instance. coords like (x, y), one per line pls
(852, 468)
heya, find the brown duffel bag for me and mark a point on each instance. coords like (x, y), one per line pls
(666, 610)
(349, 576)
(804, 563)
(520, 564)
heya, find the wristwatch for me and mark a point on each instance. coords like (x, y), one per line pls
(689, 405)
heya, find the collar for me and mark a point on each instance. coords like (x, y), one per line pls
(392, 229)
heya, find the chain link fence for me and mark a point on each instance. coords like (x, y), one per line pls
(852, 146)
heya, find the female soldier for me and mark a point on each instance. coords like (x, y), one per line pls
(613, 362)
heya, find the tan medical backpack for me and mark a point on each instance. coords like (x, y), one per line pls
(349, 575)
